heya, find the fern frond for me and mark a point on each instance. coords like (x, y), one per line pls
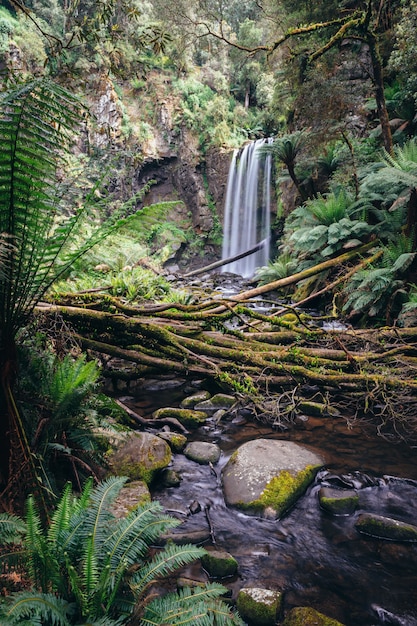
(191, 606)
(12, 528)
(134, 534)
(163, 563)
(36, 608)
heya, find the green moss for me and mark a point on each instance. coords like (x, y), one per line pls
(306, 616)
(340, 505)
(187, 417)
(259, 606)
(219, 564)
(283, 490)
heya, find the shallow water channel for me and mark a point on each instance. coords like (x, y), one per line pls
(318, 559)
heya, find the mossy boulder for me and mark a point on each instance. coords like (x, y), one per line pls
(140, 457)
(306, 616)
(338, 501)
(386, 528)
(219, 564)
(190, 401)
(202, 452)
(176, 441)
(216, 402)
(259, 606)
(189, 418)
(267, 477)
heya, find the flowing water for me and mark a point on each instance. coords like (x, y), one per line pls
(247, 209)
(319, 560)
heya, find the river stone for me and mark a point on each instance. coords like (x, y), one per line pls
(386, 528)
(140, 457)
(170, 478)
(202, 452)
(131, 496)
(338, 501)
(268, 476)
(259, 606)
(191, 401)
(218, 401)
(176, 441)
(306, 616)
(187, 417)
(219, 563)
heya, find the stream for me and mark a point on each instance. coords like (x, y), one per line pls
(317, 559)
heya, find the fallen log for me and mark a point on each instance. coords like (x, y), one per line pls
(230, 259)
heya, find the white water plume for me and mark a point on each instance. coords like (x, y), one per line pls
(247, 209)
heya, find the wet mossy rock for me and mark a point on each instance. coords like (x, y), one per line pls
(176, 441)
(202, 452)
(267, 477)
(216, 402)
(306, 616)
(386, 528)
(219, 564)
(191, 401)
(338, 501)
(189, 418)
(257, 606)
(140, 457)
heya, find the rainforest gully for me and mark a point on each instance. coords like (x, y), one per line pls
(208, 322)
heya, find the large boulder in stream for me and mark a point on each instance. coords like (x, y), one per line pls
(266, 476)
(140, 456)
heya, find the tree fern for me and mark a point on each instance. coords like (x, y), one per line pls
(37, 125)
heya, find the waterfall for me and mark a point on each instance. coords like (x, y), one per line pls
(247, 209)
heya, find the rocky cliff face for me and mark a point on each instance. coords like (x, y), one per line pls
(164, 152)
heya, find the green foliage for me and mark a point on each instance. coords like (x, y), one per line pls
(283, 266)
(324, 225)
(402, 58)
(373, 290)
(56, 399)
(86, 565)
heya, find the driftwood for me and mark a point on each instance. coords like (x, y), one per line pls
(222, 262)
(285, 354)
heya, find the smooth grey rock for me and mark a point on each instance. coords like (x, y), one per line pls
(202, 452)
(266, 473)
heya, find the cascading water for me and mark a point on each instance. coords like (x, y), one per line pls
(247, 209)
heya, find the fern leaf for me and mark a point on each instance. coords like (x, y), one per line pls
(46, 608)
(195, 607)
(12, 528)
(165, 562)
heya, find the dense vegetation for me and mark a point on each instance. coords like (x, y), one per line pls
(335, 84)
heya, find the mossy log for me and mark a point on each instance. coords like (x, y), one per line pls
(289, 356)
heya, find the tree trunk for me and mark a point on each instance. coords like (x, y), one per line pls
(378, 78)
